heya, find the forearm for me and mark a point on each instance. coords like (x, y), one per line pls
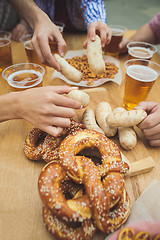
(29, 11)
(8, 106)
(144, 34)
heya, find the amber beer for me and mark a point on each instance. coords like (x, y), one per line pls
(31, 53)
(139, 81)
(23, 76)
(23, 80)
(5, 53)
(112, 48)
(141, 50)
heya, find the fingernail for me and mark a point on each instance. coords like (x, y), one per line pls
(74, 87)
(62, 54)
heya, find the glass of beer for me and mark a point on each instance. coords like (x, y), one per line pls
(53, 44)
(5, 53)
(112, 48)
(5, 34)
(140, 77)
(23, 76)
(141, 50)
(31, 53)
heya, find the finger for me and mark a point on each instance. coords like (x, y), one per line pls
(63, 112)
(63, 89)
(123, 43)
(109, 36)
(63, 101)
(153, 137)
(147, 106)
(46, 52)
(152, 120)
(53, 131)
(61, 45)
(155, 143)
(92, 32)
(152, 131)
(37, 49)
(85, 44)
(60, 122)
(103, 36)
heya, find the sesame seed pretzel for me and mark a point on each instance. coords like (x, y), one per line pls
(40, 145)
(83, 209)
(104, 201)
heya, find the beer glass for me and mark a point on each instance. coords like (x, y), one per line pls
(23, 76)
(112, 48)
(5, 50)
(53, 44)
(31, 53)
(140, 77)
(141, 50)
(5, 34)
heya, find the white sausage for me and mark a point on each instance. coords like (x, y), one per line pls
(88, 119)
(67, 70)
(94, 55)
(126, 118)
(102, 111)
(127, 136)
(80, 96)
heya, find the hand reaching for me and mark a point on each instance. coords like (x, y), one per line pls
(100, 29)
(150, 126)
(47, 108)
(42, 36)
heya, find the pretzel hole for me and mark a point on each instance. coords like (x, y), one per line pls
(93, 154)
(70, 189)
(40, 139)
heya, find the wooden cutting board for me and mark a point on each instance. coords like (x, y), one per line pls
(20, 204)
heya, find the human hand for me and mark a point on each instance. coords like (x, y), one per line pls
(20, 30)
(123, 45)
(47, 108)
(150, 126)
(100, 29)
(45, 31)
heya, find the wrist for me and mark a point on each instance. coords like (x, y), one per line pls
(9, 106)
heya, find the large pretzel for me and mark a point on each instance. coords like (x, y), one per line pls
(104, 201)
(71, 146)
(39, 145)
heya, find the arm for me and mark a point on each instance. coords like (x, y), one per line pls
(44, 30)
(143, 34)
(150, 126)
(95, 19)
(44, 107)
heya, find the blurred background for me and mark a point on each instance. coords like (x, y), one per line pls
(131, 13)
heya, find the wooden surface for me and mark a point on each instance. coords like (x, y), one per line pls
(20, 205)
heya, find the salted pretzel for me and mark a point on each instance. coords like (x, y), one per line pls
(156, 237)
(126, 233)
(100, 201)
(40, 145)
(79, 209)
(61, 230)
(143, 235)
(71, 146)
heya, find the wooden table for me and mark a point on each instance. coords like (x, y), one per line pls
(20, 204)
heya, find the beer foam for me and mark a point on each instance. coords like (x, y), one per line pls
(22, 83)
(141, 52)
(117, 32)
(142, 73)
(28, 45)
